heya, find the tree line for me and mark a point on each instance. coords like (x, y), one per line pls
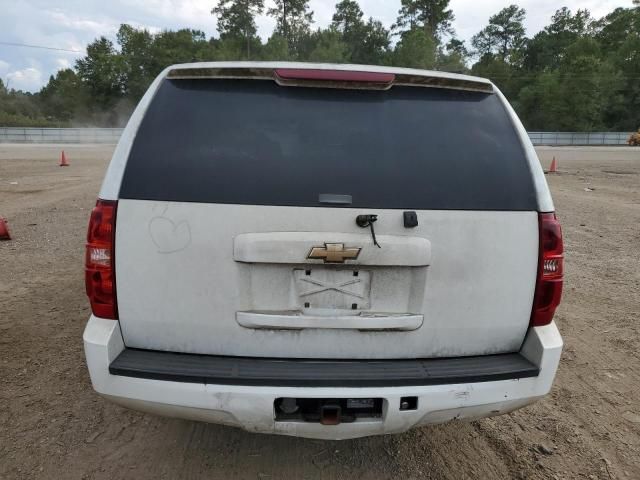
(579, 73)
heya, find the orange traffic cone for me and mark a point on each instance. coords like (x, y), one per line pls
(554, 166)
(63, 160)
(4, 230)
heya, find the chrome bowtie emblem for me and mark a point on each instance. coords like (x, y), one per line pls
(334, 253)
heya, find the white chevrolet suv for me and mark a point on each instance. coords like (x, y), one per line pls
(327, 251)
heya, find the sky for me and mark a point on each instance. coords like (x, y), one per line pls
(72, 24)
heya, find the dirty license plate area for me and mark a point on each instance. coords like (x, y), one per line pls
(330, 288)
(327, 411)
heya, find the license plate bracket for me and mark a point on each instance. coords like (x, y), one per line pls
(333, 289)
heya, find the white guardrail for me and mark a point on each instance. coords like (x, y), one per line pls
(59, 135)
(579, 138)
(111, 135)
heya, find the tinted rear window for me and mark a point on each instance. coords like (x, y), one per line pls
(255, 142)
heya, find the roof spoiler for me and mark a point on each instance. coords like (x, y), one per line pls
(328, 78)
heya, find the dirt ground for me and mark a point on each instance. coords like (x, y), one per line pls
(52, 425)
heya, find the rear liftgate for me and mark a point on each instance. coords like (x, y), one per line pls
(247, 237)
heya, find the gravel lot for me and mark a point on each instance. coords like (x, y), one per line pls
(52, 425)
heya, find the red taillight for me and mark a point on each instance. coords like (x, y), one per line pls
(100, 260)
(335, 75)
(550, 270)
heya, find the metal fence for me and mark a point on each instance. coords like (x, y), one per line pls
(579, 138)
(59, 135)
(111, 135)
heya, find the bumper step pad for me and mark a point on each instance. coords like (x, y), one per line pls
(223, 370)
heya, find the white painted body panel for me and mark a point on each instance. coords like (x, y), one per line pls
(115, 171)
(543, 194)
(470, 275)
(331, 66)
(285, 247)
(251, 408)
(294, 320)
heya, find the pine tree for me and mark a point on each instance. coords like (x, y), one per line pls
(236, 20)
(293, 20)
(433, 16)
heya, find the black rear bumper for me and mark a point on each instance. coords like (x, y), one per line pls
(211, 369)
